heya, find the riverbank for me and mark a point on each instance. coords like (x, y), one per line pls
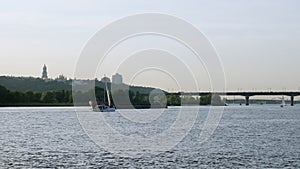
(36, 105)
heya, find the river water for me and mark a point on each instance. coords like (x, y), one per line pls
(246, 137)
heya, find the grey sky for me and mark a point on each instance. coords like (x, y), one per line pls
(257, 41)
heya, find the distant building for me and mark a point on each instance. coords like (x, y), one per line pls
(117, 79)
(61, 78)
(105, 79)
(44, 73)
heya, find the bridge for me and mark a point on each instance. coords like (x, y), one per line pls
(247, 95)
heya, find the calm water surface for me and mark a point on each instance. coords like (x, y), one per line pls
(247, 137)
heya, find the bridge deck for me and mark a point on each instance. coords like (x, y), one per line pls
(247, 95)
(239, 93)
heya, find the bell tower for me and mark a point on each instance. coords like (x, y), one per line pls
(44, 74)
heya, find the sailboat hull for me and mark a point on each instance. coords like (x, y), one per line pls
(109, 110)
(282, 102)
(101, 108)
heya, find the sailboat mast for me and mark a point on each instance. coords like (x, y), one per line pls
(104, 93)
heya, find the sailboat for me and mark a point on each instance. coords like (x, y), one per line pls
(282, 102)
(104, 108)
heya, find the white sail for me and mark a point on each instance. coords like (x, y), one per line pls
(108, 97)
(282, 102)
(103, 107)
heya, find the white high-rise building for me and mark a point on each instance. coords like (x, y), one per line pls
(117, 79)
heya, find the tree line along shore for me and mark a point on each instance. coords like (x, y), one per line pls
(31, 91)
(65, 98)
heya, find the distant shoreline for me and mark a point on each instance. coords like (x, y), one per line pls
(36, 105)
(123, 107)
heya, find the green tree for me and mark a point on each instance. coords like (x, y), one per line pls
(68, 97)
(211, 99)
(60, 96)
(48, 97)
(29, 96)
(205, 100)
(17, 97)
(37, 97)
(138, 99)
(190, 100)
(173, 100)
(216, 100)
(3, 94)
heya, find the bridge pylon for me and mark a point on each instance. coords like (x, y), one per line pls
(292, 100)
(247, 98)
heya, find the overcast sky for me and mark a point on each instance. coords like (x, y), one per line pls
(257, 41)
